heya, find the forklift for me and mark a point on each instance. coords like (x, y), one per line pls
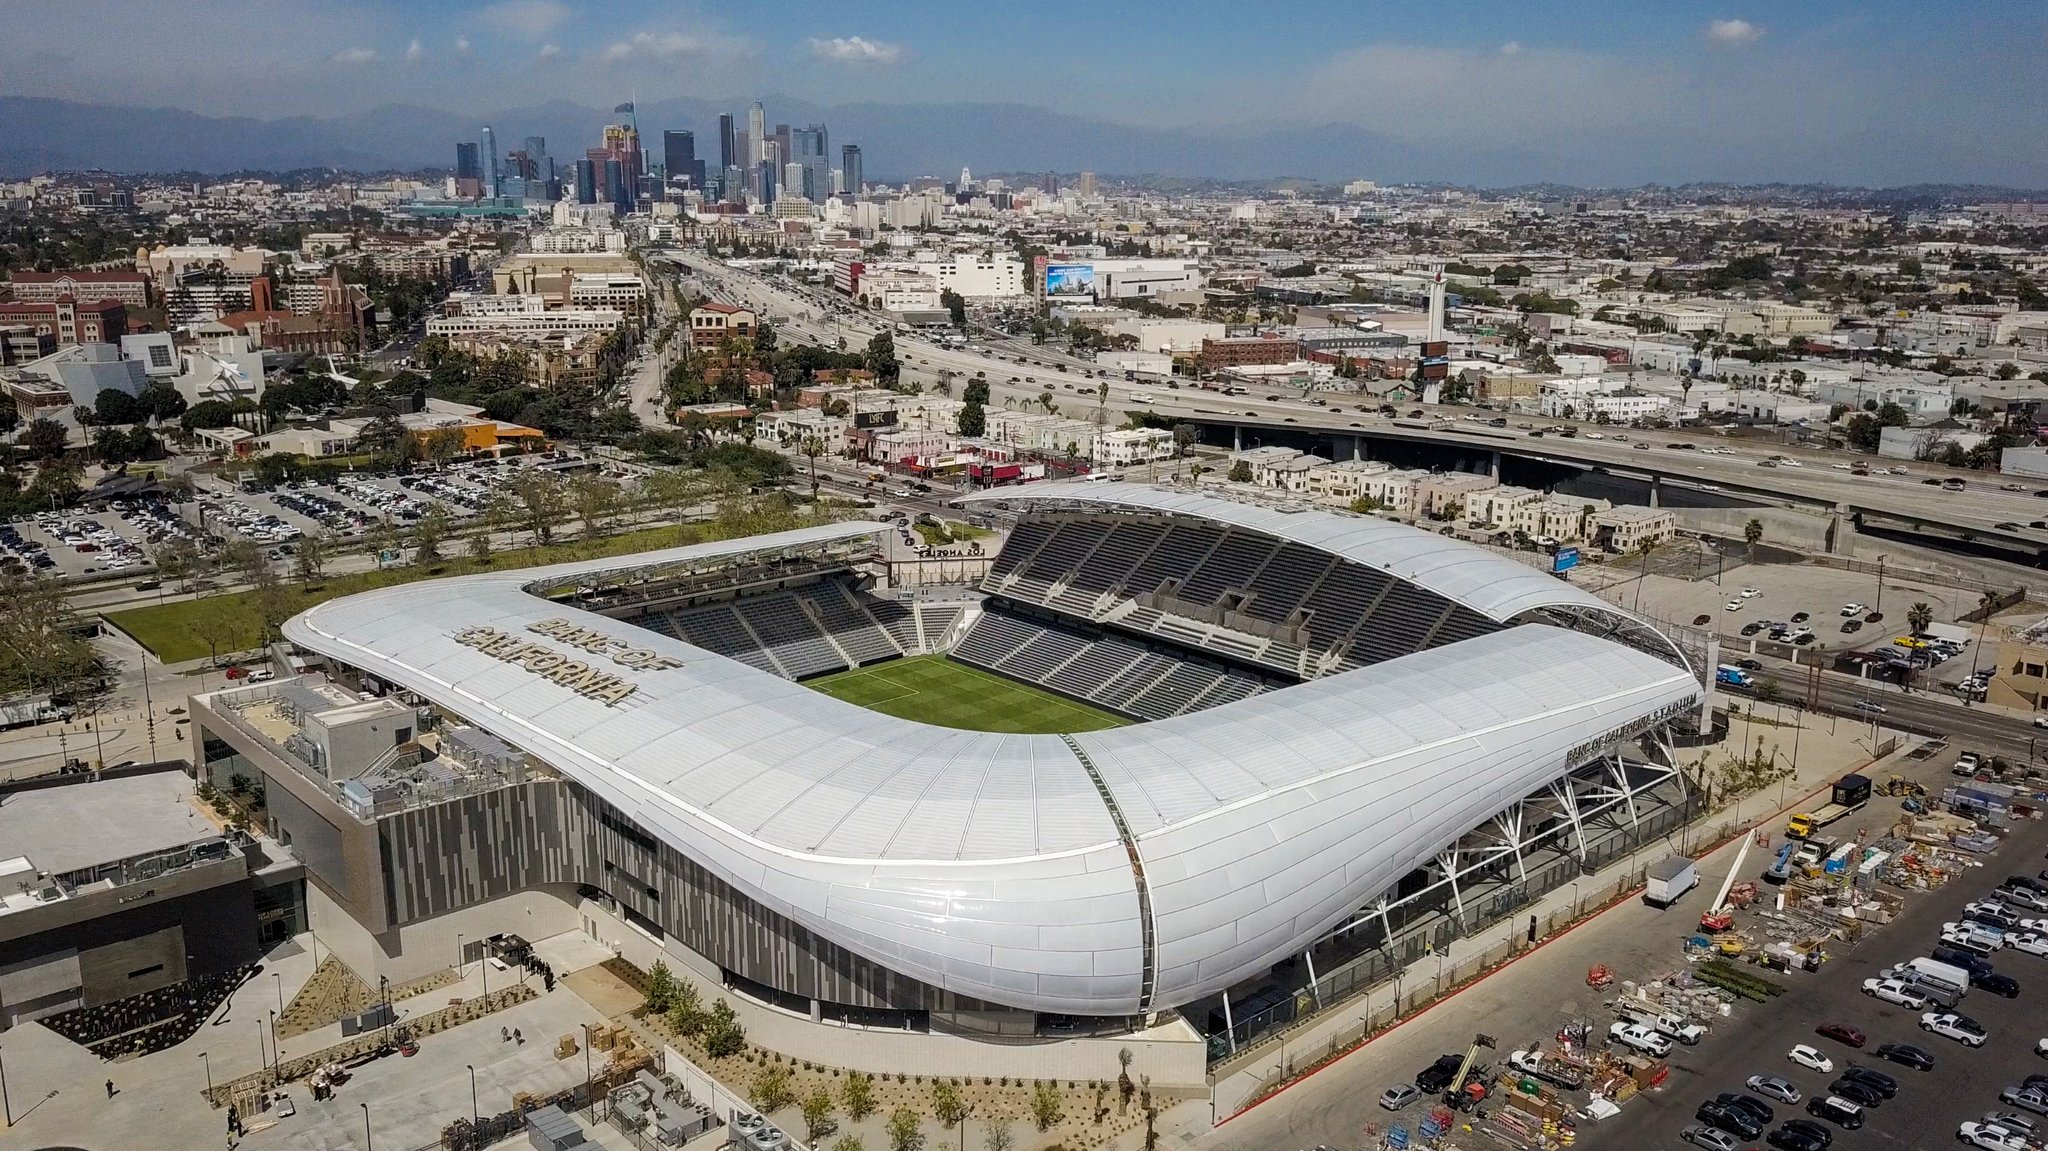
(1464, 1096)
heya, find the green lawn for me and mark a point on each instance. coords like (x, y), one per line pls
(168, 629)
(933, 689)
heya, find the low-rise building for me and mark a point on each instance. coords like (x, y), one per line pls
(1124, 447)
(1447, 495)
(1233, 351)
(712, 323)
(69, 320)
(1624, 529)
(129, 289)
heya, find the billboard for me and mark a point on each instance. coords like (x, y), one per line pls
(1070, 279)
(1564, 560)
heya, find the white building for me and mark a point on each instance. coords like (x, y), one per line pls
(1170, 336)
(895, 291)
(623, 292)
(1124, 447)
(973, 275)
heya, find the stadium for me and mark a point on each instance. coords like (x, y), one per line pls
(1170, 765)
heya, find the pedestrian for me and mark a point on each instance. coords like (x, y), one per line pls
(110, 1089)
(505, 1034)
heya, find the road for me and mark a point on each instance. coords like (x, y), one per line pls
(814, 317)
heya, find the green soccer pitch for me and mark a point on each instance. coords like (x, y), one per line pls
(933, 689)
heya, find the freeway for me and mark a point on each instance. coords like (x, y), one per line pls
(1974, 727)
(1677, 458)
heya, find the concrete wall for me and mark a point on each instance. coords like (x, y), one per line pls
(1783, 527)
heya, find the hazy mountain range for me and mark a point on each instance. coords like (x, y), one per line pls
(898, 141)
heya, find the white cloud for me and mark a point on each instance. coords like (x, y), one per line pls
(353, 56)
(550, 51)
(652, 46)
(1734, 32)
(414, 50)
(528, 19)
(855, 50)
(1511, 48)
(462, 43)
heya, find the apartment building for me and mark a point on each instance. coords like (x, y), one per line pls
(713, 322)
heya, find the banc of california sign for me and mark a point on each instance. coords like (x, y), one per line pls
(575, 674)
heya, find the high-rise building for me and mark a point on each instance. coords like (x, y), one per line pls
(586, 181)
(537, 154)
(782, 150)
(849, 169)
(1087, 184)
(616, 192)
(679, 158)
(490, 157)
(793, 177)
(465, 162)
(809, 147)
(732, 189)
(764, 183)
(728, 154)
(1049, 183)
(757, 133)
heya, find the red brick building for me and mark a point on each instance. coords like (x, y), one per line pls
(70, 320)
(713, 322)
(1240, 350)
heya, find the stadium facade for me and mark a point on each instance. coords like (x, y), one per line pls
(1358, 740)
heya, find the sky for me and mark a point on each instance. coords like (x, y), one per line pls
(1883, 90)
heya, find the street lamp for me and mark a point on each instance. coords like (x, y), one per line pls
(279, 976)
(209, 1074)
(6, 1103)
(366, 1127)
(473, 1118)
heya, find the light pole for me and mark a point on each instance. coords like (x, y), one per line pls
(209, 1075)
(366, 1128)
(6, 1102)
(276, 1055)
(473, 1118)
(279, 976)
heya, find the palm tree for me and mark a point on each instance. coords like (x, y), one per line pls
(1752, 532)
(813, 447)
(1919, 616)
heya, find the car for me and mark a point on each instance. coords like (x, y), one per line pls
(1757, 1108)
(1398, 1096)
(1639, 447)
(1856, 1091)
(1879, 1082)
(2013, 1121)
(1754, 626)
(1818, 1131)
(1905, 1055)
(1810, 1058)
(1990, 911)
(1733, 605)
(1991, 1137)
(1839, 1111)
(1868, 707)
(1437, 1076)
(1773, 1087)
(2029, 942)
(2034, 1099)
(1895, 991)
(1800, 617)
(1752, 592)
(1734, 1120)
(1794, 1139)
(2003, 986)
(1950, 1025)
(1850, 626)
(1750, 664)
(1932, 482)
(1700, 1135)
(283, 1108)
(1841, 1033)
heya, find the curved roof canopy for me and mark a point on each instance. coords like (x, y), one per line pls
(994, 865)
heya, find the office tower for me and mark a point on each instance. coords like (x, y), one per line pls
(1087, 184)
(781, 138)
(465, 161)
(615, 183)
(734, 187)
(966, 179)
(728, 155)
(849, 169)
(808, 147)
(764, 183)
(794, 176)
(586, 181)
(537, 155)
(1049, 183)
(757, 133)
(679, 158)
(490, 157)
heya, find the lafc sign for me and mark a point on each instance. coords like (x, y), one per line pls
(577, 675)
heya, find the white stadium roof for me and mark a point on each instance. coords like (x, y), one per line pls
(992, 865)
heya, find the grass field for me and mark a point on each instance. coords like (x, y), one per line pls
(169, 630)
(933, 689)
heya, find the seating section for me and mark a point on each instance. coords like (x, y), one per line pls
(800, 632)
(1242, 594)
(1108, 672)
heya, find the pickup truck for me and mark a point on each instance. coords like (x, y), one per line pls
(1850, 793)
(1669, 1026)
(1641, 1038)
(1549, 1069)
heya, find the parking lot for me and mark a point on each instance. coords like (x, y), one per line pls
(1964, 1084)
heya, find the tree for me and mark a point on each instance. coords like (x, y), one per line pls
(1365, 504)
(661, 988)
(858, 1095)
(310, 560)
(905, 1133)
(881, 359)
(114, 406)
(45, 439)
(998, 1137)
(848, 1143)
(1185, 436)
(817, 1112)
(947, 1106)
(597, 503)
(428, 534)
(1752, 532)
(539, 501)
(1241, 472)
(813, 447)
(976, 391)
(1045, 1105)
(770, 1090)
(1919, 616)
(973, 419)
(686, 1009)
(956, 308)
(723, 1035)
(216, 625)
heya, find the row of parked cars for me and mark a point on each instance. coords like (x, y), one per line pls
(1729, 1119)
(106, 548)
(250, 523)
(158, 522)
(20, 555)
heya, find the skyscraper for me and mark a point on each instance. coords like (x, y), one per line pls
(728, 154)
(849, 169)
(615, 189)
(757, 133)
(490, 157)
(1087, 184)
(586, 181)
(467, 182)
(537, 154)
(679, 158)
